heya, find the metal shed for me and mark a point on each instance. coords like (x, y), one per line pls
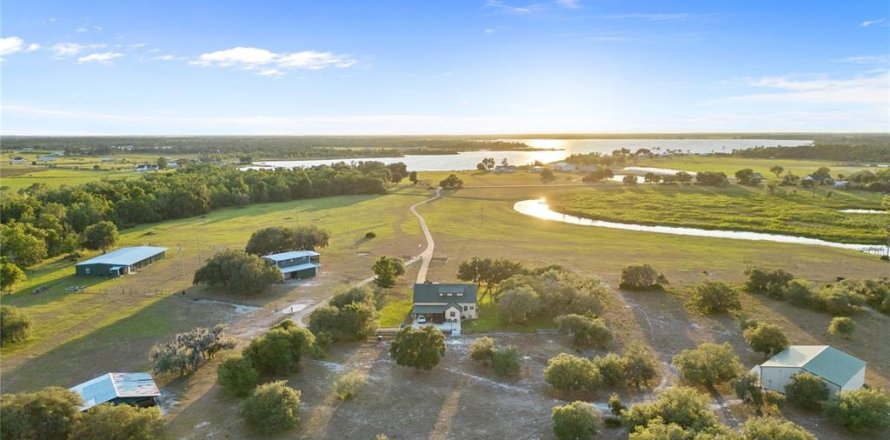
(121, 261)
(137, 389)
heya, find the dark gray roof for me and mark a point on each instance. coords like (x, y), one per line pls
(444, 293)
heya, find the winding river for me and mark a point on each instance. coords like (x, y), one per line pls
(538, 208)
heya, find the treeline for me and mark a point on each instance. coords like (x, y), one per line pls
(41, 222)
(258, 146)
(878, 151)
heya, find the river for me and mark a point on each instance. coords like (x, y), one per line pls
(538, 208)
(552, 150)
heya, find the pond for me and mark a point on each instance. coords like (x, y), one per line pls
(551, 150)
(538, 208)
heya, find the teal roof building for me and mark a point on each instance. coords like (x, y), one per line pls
(839, 370)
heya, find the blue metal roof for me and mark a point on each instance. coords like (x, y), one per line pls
(289, 255)
(822, 360)
(110, 386)
(125, 256)
(298, 267)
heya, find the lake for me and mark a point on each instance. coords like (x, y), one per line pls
(552, 150)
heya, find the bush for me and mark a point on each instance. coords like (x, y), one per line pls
(50, 413)
(370, 234)
(188, 351)
(350, 315)
(505, 362)
(387, 271)
(237, 376)
(640, 366)
(10, 275)
(272, 408)
(572, 374)
(799, 293)
(711, 178)
(279, 350)
(421, 349)
(807, 391)
(842, 325)
(576, 421)
(15, 325)
(586, 331)
(641, 277)
(119, 422)
(517, 305)
(452, 181)
(767, 281)
(747, 388)
(771, 428)
(765, 338)
(683, 406)
(708, 364)
(237, 272)
(862, 410)
(615, 405)
(611, 368)
(483, 349)
(712, 297)
(839, 300)
(348, 385)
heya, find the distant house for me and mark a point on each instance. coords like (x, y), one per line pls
(296, 265)
(137, 389)
(839, 370)
(564, 167)
(107, 159)
(439, 303)
(757, 176)
(47, 158)
(172, 164)
(146, 167)
(840, 184)
(121, 261)
(18, 160)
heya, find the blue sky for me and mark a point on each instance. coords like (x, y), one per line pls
(409, 67)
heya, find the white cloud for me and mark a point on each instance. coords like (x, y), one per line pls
(32, 47)
(571, 4)
(10, 45)
(81, 29)
(867, 59)
(880, 21)
(72, 49)
(873, 89)
(102, 57)
(268, 63)
(166, 58)
(489, 31)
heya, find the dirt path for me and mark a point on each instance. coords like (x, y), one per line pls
(427, 253)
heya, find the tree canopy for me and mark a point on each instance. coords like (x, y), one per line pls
(420, 349)
(237, 272)
(708, 364)
(276, 239)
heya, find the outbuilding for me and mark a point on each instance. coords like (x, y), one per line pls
(137, 389)
(121, 261)
(837, 369)
(296, 265)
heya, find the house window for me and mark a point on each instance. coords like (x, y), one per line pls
(472, 307)
(87, 270)
(453, 314)
(466, 308)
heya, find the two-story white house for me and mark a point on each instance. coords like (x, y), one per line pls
(439, 303)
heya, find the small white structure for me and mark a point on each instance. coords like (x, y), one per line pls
(563, 167)
(47, 158)
(839, 370)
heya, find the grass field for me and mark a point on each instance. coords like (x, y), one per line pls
(730, 165)
(733, 207)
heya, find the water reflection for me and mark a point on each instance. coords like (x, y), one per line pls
(538, 208)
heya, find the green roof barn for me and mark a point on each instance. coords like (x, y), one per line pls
(121, 261)
(839, 370)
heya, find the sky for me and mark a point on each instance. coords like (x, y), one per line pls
(169, 67)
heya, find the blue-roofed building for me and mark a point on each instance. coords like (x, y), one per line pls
(120, 262)
(296, 265)
(137, 389)
(837, 369)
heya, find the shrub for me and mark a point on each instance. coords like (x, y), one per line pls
(586, 331)
(188, 351)
(611, 367)
(615, 405)
(640, 366)
(712, 297)
(799, 293)
(766, 338)
(839, 300)
(876, 293)
(237, 272)
(505, 362)
(862, 410)
(279, 350)
(237, 376)
(842, 325)
(767, 281)
(119, 422)
(711, 178)
(15, 325)
(387, 271)
(418, 348)
(46, 414)
(348, 385)
(570, 373)
(807, 391)
(771, 428)
(272, 408)
(575, 421)
(370, 234)
(641, 277)
(349, 315)
(708, 364)
(482, 349)
(517, 305)
(747, 388)
(683, 406)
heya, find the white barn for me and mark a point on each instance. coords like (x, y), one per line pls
(839, 370)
